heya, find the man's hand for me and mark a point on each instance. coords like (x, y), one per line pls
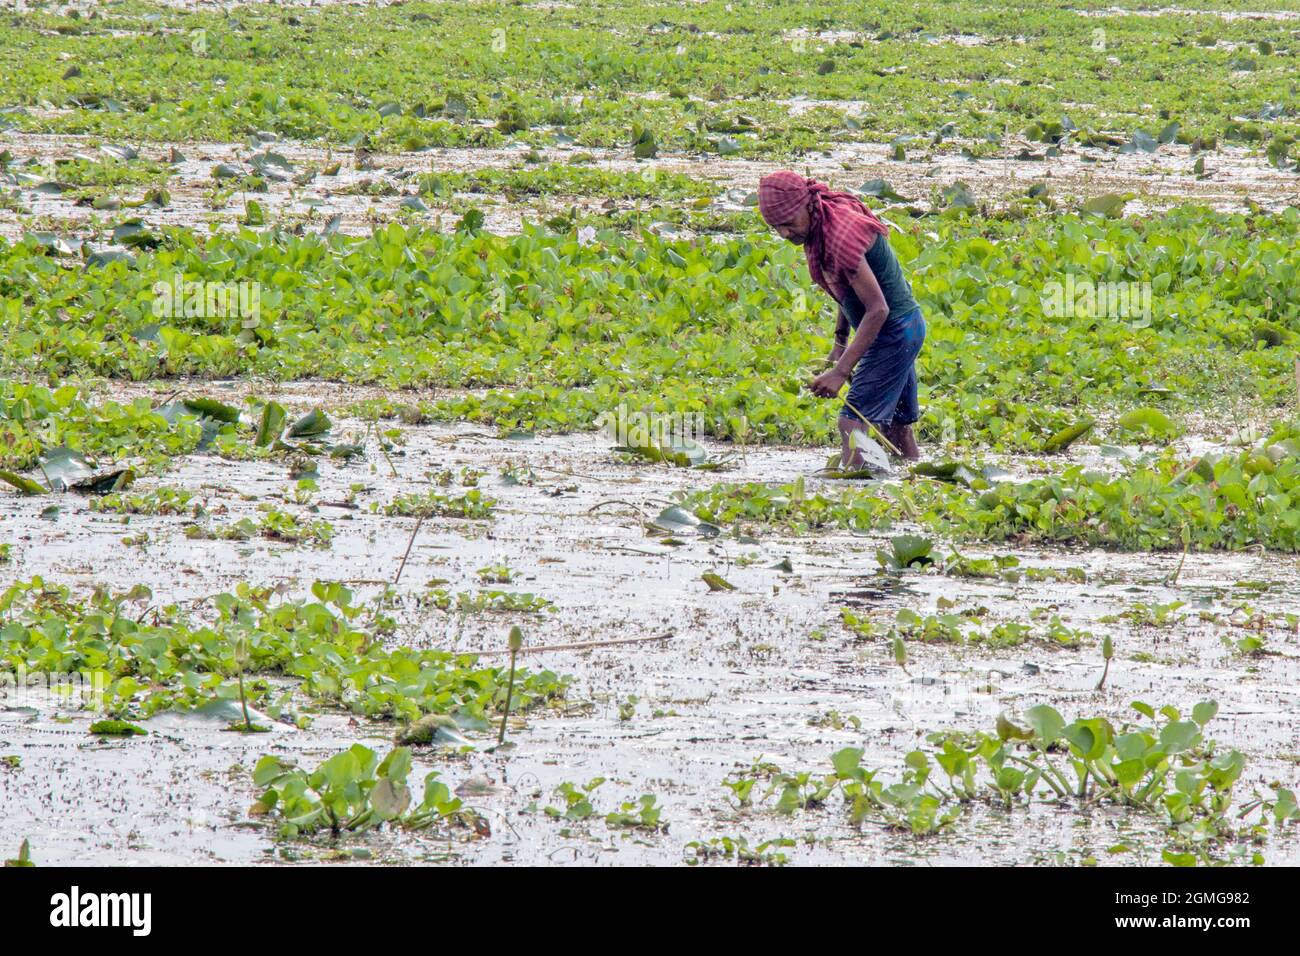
(828, 383)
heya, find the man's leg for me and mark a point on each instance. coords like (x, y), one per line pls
(850, 457)
(907, 412)
(879, 383)
(900, 435)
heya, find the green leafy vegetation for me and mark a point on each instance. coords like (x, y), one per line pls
(671, 326)
(157, 501)
(643, 813)
(329, 648)
(24, 857)
(351, 791)
(274, 524)
(1215, 501)
(508, 72)
(472, 504)
(455, 230)
(1164, 767)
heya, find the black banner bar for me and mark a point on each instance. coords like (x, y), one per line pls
(356, 901)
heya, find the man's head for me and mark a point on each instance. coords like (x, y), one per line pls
(796, 230)
(783, 202)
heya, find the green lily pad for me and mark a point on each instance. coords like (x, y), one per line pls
(24, 485)
(959, 196)
(1142, 142)
(643, 143)
(315, 422)
(1149, 421)
(909, 550)
(135, 233)
(1110, 205)
(117, 728)
(431, 730)
(211, 408)
(271, 425)
(682, 452)
(1046, 722)
(676, 520)
(882, 190)
(64, 466)
(105, 482)
(957, 472)
(1067, 436)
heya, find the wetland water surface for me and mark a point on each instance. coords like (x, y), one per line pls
(766, 672)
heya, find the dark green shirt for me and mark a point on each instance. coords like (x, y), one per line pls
(889, 275)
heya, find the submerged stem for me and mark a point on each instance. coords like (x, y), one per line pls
(243, 703)
(510, 690)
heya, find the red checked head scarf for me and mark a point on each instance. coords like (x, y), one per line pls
(841, 228)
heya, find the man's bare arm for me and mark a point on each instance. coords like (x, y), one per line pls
(841, 336)
(877, 310)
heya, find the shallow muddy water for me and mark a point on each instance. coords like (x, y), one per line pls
(1233, 177)
(765, 671)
